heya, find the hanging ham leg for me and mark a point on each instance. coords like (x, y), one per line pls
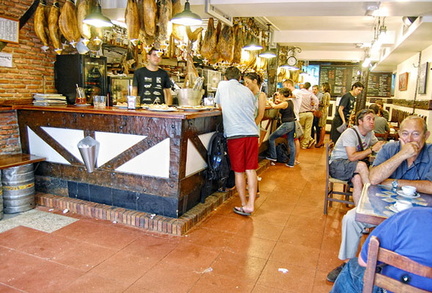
(40, 24)
(132, 21)
(53, 28)
(68, 22)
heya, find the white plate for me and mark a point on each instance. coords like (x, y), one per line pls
(163, 110)
(393, 208)
(82, 105)
(401, 193)
(192, 109)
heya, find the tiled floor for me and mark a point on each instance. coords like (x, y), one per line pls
(287, 245)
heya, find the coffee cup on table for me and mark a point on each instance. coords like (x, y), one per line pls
(409, 190)
(402, 205)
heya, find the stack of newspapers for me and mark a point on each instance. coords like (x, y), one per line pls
(49, 100)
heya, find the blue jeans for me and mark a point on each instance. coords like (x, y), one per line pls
(286, 128)
(350, 279)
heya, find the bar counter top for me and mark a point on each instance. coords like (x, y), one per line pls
(179, 114)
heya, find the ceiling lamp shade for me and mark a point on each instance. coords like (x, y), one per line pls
(253, 46)
(97, 19)
(268, 53)
(187, 17)
(289, 67)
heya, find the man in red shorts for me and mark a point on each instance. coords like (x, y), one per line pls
(238, 106)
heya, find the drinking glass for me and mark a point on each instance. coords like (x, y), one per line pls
(80, 96)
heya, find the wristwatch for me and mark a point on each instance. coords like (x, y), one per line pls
(395, 184)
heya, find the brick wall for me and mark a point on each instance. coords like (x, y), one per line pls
(31, 70)
(9, 133)
(31, 67)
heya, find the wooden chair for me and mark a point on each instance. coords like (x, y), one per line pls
(385, 136)
(388, 257)
(330, 182)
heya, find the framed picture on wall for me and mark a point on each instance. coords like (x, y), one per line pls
(423, 78)
(403, 81)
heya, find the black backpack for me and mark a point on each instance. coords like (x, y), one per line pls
(218, 165)
(282, 155)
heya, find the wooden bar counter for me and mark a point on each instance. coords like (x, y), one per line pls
(147, 161)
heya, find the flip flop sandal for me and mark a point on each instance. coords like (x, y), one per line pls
(241, 211)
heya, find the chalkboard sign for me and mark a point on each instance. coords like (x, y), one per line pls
(9, 30)
(340, 77)
(379, 84)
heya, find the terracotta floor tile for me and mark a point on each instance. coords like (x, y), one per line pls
(231, 224)
(34, 272)
(300, 236)
(19, 236)
(252, 246)
(94, 284)
(167, 277)
(195, 257)
(209, 238)
(261, 229)
(264, 289)
(295, 254)
(321, 285)
(124, 268)
(296, 279)
(99, 233)
(270, 216)
(239, 266)
(84, 256)
(214, 283)
(152, 246)
(6, 289)
(48, 246)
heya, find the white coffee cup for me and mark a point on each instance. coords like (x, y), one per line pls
(402, 205)
(409, 190)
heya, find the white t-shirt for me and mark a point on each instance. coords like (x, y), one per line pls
(238, 105)
(349, 139)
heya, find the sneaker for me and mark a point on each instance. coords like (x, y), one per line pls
(311, 143)
(296, 162)
(289, 166)
(271, 159)
(332, 276)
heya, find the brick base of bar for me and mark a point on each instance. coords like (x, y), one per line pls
(149, 222)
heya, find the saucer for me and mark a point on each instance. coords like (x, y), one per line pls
(401, 193)
(393, 208)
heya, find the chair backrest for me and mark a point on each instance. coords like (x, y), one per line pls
(388, 257)
(328, 149)
(383, 135)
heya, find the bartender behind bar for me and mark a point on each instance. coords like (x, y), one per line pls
(152, 83)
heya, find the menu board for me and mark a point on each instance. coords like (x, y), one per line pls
(9, 30)
(340, 77)
(379, 84)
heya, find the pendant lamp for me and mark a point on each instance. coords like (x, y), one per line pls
(253, 46)
(97, 19)
(268, 53)
(186, 17)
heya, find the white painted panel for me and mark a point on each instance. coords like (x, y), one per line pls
(113, 144)
(194, 162)
(39, 147)
(68, 138)
(153, 162)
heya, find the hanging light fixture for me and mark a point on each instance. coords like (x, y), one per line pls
(253, 46)
(186, 17)
(268, 53)
(97, 19)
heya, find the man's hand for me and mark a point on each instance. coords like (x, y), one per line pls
(410, 149)
(376, 147)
